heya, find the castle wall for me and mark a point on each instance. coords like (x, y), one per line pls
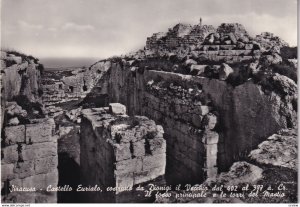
(191, 144)
(29, 160)
(242, 123)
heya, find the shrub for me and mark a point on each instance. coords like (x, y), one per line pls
(10, 62)
(41, 68)
(288, 52)
(29, 106)
(286, 70)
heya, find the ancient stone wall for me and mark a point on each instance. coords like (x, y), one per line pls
(74, 87)
(188, 123)
(29, 162)
(119, 151)
(246, 113)
(180, 35)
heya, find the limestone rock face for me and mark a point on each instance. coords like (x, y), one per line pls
(271, 59)
(256, 115)
(20, 78)
(239, 173)
(284, 84)
(268, 40)
(279, 150)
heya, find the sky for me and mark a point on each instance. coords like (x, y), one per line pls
(103, 28)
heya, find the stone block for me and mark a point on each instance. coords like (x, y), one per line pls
(122, 152)
(232, 38)
(41, 181)
(228, 42)
(139, 148)
(124, 180)
(46, 165)
(198, 69)
(246, 57)
(248, 46)
(40, 132)
(226, 47)
(117, 108)
(20, 197)
(7, 172)
(190, 62)
(9, 154)
(157, 146)
(127, 166)
(141, 177)
(16, 182)
(256, 52)
(39, 150)
(227, 52)
(14, 134)
(210, 137)
(37, 181)
(214, 47)
(212, 52)
(24, 169)
(51, 178)
(156, 172)
(243, 52)
(50, 197)
(154, 161)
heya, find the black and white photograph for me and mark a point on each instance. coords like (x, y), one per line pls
(149, 101)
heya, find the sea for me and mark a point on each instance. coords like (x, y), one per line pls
(67, 63)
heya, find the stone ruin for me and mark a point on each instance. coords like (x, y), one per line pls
(29, 162)
(181, 35)
(119, 151)
(177, 124)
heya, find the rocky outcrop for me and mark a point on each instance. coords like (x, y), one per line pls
(239, 173)
(268, 40)
(20, 76)
(278, 150)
